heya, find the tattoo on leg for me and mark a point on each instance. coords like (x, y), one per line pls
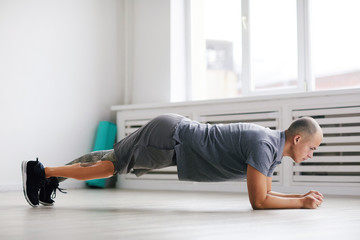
(91, 159)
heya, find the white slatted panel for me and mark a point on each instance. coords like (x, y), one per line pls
(169, 173)
(268, 119)
(265, 119)
(338, 157)
(132, 125)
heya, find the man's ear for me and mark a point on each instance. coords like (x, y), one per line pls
(297, 139)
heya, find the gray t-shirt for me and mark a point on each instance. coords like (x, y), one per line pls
(221, 152)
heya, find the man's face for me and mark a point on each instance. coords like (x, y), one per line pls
(304, 147)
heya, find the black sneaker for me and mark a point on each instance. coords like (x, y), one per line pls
(33, 175)
(48, 191)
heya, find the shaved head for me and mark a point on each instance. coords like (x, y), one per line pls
(305, 126)
(303, 137)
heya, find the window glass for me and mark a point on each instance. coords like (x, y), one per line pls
(217, 46)
(222, 33)
(273, 44)
(335, 43)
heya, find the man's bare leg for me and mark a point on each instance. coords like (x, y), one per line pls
(82, 171)
(82, 164)
(40, 184)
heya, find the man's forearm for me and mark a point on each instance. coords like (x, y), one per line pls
(285, 195)
(276, 202)
(261, 196)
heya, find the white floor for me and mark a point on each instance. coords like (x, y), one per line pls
(125, 214)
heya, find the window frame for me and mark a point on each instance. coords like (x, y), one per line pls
(305, 78)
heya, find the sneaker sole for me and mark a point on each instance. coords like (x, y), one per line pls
(46, 204)
(24, 178)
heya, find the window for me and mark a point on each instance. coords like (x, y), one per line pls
(216, 49)
(240, 48)
(335, 40)
(273, 42)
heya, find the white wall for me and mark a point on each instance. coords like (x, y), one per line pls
(60, 71)
(156, 54)
(151, 51)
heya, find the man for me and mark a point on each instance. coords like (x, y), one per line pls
(201, 152)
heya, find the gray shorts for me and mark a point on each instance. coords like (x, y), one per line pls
(149, 147)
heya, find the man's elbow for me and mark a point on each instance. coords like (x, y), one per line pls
(257, 205)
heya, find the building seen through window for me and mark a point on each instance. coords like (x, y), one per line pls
(272, 47)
